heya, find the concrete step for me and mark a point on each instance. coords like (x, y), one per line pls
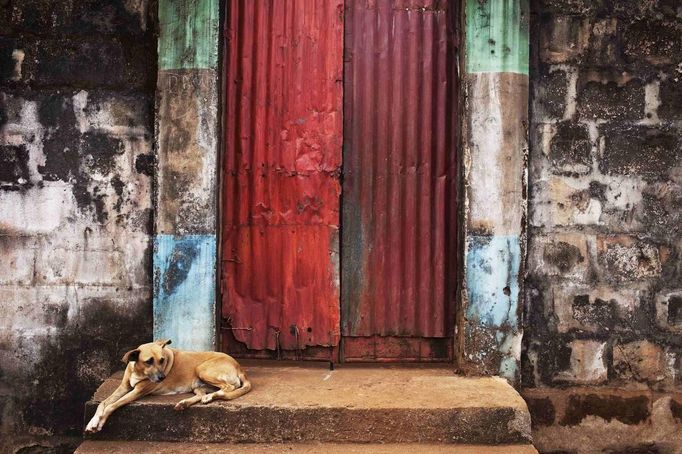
(148, 447)
(349, 405)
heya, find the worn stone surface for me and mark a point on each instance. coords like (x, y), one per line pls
(604, 419)
(142, 447)
(603, 281)
(361, 405)
(76, 116)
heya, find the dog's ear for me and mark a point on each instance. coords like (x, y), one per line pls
(163, 342)
(132, 355)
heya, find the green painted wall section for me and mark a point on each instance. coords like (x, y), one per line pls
(497, 36)
(188, 34)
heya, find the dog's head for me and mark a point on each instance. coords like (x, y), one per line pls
(150, 359)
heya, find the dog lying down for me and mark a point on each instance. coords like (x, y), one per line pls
(157, 369)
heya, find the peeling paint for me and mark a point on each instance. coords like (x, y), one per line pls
(185, 244)
(187, 154)
(188, 34)
(495, 173)
(184, 290)
(493, 280)
(497, 36)
(497, 136)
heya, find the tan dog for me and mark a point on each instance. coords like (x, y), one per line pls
(156, 369)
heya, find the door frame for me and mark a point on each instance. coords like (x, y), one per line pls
(493, 79)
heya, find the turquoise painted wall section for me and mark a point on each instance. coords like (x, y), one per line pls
(184, 290)
(492, 266)
(497, 36)
(189, 33)
(492, 280)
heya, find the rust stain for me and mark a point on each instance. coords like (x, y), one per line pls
(399, 208)
(284, 69)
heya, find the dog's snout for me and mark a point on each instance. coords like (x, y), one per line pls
(157, 377)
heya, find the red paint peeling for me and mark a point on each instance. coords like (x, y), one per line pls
(281, 174)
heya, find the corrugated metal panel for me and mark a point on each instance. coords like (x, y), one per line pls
(284, 69)
(399, 205)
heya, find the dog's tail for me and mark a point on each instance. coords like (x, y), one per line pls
(245, 388)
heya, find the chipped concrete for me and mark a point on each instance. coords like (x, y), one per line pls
(348, 404)
(76, 213)
(141, 447)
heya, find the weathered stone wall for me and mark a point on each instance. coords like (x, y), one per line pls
(77, 80)
(603, 305)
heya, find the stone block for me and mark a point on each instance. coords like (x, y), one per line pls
(93, 62)
(597, 312)
(116, 113)
(610, 100)
(593, 308)
(639, 361)
(570, 151)
(566, 201)
(49, 208)
(11, 59)
(660, 210)
(81, 17)
(17, 259)
(670, 98)
(563, 254)
(14, 173)
(563, 38)
(669, 311)
(625, 258)
(604, 48)
(653, 41)
(576, 7)
(587, 363)
(542, 411)
(650, 152)
(550, 95)
(626, 409)
(643, 9)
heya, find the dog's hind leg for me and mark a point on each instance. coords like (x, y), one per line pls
(184, 403)
(229, 382)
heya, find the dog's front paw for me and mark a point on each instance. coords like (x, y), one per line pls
(181, 405)
(207, 398)
(93, 426)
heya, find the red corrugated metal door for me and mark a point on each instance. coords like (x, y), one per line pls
(399, 204)
(283, 86)
(286, 88)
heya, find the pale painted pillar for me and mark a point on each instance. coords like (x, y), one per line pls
(187, 184)
(495, 172)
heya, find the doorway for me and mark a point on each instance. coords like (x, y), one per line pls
(339, 180)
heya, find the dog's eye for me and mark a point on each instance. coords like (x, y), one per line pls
(161, 360)
(150, 361)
